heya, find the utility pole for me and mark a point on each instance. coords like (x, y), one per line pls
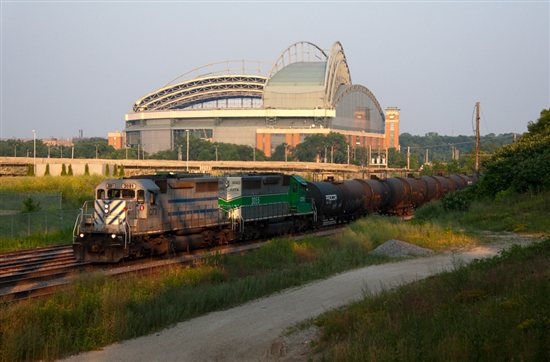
(187, 158)
(426, 158)
(408, 158)
(348, 154)
(369, 156)
(34, 152)
(477, 139)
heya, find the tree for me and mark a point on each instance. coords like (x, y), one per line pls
(70, 170)
(63, 170)
(521, 166)
(316, 147)
(121, 171)
(86, 170)
(107, 171)
(47, 171)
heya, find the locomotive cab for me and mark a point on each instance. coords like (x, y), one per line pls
(105, 227)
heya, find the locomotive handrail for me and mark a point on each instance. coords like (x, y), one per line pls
(76, 228)
(127, 234)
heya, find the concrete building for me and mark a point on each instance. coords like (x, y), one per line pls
(306, 91)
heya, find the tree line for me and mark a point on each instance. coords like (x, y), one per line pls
(332, 148)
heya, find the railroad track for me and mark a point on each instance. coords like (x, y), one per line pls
(44, 271)
(28, 272)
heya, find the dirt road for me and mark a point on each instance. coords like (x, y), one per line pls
(251, 332)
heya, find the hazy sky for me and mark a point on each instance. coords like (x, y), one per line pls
(67, 66)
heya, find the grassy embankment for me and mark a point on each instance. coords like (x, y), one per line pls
(97, 311)
(75, 190)
(491, 310)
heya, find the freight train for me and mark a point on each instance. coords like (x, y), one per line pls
(137, 216)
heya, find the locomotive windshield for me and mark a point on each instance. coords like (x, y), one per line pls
(116, 194)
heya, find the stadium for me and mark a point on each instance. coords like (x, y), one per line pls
(306, 91)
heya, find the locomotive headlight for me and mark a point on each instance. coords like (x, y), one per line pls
(81, 235)
(113, 236)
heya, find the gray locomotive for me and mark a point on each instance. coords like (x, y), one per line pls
(149, 215)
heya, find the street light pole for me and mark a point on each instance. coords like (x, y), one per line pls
(34, 152)
(187, 158)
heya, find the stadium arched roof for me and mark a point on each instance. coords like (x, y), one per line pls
(300, 69)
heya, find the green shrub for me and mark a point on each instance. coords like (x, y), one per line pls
(522, 166)
(70, 171)
(29, 205)
(107, 171)
(86, 170)
(47, 171)
(458, 200)
(63, 170)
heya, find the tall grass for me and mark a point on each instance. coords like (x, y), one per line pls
(512, 212)
(379, 229)
(75, 189)
(491, 310)
(97, 311)
(58, 237)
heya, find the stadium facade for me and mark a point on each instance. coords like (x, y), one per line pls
(306, 91)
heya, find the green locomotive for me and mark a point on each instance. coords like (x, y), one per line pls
(266, 204)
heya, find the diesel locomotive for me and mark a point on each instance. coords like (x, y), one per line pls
(157, 214)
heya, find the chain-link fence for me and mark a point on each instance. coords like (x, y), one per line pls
(40, 222)
(19, 201)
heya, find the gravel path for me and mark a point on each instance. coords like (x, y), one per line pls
(252, 332)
